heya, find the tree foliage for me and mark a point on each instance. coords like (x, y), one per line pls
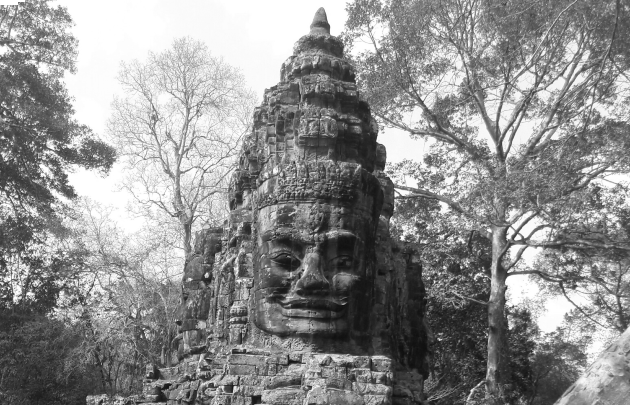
(456, 268)
(598, 288)
(40, 142)
(557, 361)
(177, 125)
(114, 314)
(523, 103)
(41, 362)
(595, 281)
(128, 298)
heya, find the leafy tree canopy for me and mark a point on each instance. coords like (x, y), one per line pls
(40, 142)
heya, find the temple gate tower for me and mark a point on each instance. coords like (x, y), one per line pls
(302, 298)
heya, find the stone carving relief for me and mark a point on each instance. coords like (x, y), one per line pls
(303, 298)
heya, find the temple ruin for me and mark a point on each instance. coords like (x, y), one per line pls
(303, 297)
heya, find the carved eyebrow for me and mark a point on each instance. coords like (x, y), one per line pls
(286, 241)
(277, 233)
(340, 237)
(282, 237)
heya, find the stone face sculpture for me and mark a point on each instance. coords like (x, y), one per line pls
(314, 257)
(303, 298)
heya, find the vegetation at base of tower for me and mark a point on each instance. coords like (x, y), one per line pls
(177, 126)
(40, 143)
(115, 314)
(41, 362)
(522, 107)
(560, 357)
(127, 301)
(456, 266)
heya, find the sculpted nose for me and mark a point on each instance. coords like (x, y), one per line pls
(312, 280)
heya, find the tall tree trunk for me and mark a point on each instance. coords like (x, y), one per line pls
(184, 214)
(185, 220)
(496, 321)
(187, 226)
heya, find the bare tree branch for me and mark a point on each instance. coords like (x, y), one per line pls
(178, 126)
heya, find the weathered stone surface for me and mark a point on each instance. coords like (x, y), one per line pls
(284, 396)
(105, 399)
(606, 381)
(303, 298)
(322, 396)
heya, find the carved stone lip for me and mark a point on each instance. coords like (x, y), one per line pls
(312, 313)
(312, 303)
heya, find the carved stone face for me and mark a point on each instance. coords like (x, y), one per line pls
(310, 275)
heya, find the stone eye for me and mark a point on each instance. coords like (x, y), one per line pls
(285, 261)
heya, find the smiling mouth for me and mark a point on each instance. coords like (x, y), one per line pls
(312, 308)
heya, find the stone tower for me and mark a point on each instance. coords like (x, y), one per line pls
(302, 298)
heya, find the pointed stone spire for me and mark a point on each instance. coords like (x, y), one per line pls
(320, 25)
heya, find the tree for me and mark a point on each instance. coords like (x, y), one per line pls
(597, 287)
(595, 281)
(41, 363)
(127, 300)
(459, 327)
(39, 144)
(124, 328)
(456, 265)
(524, 106)
(177, 127)
(558, 359)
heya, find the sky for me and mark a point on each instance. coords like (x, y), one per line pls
(255, 36)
